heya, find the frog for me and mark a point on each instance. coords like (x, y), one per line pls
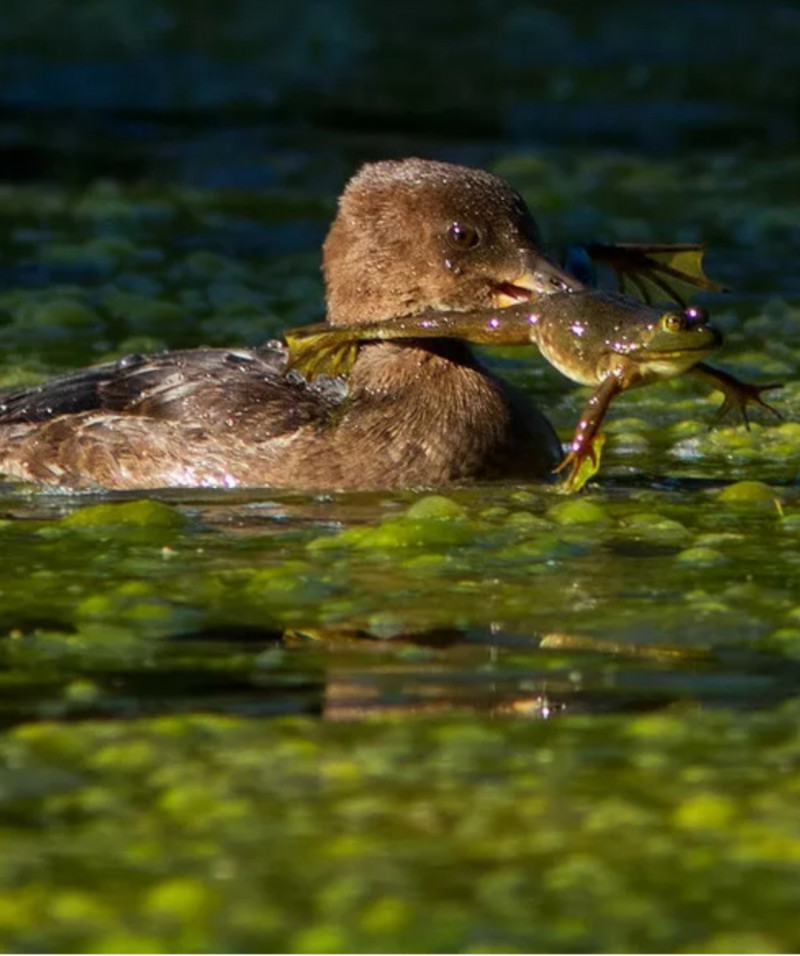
(607, 340)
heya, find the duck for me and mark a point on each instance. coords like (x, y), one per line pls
(410, 236)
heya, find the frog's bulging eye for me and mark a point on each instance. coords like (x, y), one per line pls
(462, 236)
(672, 322)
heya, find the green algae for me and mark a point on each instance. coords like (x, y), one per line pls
(443, 559)
(142, 314)
(580, 511)
(434, 507)
(432, 523)
(702, 557)
(752, 494)
(651, 833)
(68, 314)
(651, 525)
(134, 514)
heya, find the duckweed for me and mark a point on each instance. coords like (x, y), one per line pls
(432, 526)
(577, 512)
(433, 507)
(67, 314)
(701, 557)
(142, 314)
(145, 514)
(654, 524)
(749, 494)
(227, 834)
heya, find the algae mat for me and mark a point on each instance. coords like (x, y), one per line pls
(213, 834)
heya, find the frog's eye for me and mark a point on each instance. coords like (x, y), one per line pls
(462, 236)
(672, 322)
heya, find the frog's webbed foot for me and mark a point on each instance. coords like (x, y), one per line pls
(650, 272)
(738, 396)
(317, 350)
(581, 464)
(745, 396)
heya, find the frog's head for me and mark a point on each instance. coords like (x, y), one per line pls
(588, 335)
(673, 344)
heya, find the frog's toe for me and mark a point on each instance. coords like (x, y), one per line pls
(740, 398)
(760, 401)
(581, 464)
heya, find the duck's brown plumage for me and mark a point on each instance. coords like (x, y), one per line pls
(408, 415)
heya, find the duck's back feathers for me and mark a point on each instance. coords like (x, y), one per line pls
(209, 411)
(65, 395)
(215, 387)
(216, 417)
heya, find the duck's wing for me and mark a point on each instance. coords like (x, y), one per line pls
(651, 272)
(63, 395)
(214, 388)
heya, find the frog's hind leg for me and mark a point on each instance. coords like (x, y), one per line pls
(583, 459)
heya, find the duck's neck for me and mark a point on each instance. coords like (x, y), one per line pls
(434, 413)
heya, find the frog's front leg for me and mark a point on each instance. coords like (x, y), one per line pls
(583, 458)
(737, 395)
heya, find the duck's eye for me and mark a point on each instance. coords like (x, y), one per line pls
(462, 236)
(672, 322)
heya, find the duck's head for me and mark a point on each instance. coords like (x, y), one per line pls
(413, 234)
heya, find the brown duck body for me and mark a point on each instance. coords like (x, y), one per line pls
(216, 418)
(422, 413)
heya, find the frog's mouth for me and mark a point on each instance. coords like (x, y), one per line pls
(702, 340)
(665, 360)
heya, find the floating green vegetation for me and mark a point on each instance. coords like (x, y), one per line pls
(654, 833)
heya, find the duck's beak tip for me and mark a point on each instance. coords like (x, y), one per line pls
(541, 278)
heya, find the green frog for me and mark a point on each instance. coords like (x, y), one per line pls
(606, 340)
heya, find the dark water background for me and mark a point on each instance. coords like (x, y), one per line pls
(254, 94)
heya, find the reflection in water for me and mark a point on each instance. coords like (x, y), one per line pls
(347, 674)
(558, 674)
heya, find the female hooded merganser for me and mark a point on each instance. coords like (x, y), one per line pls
(409, 236)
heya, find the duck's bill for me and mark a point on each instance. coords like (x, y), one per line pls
(538, 277)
